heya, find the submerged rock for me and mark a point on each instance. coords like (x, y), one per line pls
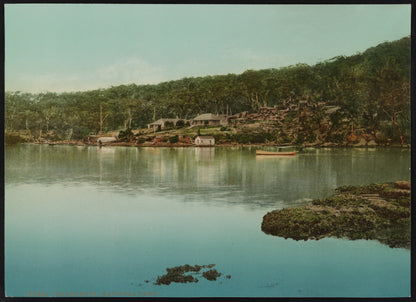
(378, 211)
(211, 275)
(179, 274)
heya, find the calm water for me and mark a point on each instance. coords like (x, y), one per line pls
(85, 219)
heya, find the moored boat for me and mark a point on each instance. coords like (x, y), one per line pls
(261, 152)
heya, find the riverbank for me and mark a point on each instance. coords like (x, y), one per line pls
(181, 144)
(377, 212)
(263, 134)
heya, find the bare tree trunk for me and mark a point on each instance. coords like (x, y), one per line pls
(257, 101)
(394, 120)
(265, 104)
(130, 118)
(102, 118)
(398, 129)
(127, 121)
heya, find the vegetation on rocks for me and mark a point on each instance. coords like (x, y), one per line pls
(186, 273)
(12, 139)
(126, 135)
(378, 211)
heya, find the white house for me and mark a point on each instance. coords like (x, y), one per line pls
(205, 141)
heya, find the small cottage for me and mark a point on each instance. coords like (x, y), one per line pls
(205, 141)
(210, 119)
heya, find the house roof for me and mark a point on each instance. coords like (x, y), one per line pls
(209, 117)
(205, 137)
(158, 122)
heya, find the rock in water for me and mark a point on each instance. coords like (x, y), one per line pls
(378, 211)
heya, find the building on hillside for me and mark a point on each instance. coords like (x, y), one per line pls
(205, 141)
(163, 123)
(210, 120)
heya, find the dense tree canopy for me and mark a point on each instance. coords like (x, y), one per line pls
(371, 88)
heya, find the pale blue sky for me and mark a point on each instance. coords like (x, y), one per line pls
(72, 47)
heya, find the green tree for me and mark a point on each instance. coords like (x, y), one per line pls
(392, 91)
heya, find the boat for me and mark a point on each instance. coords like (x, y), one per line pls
(260, 152)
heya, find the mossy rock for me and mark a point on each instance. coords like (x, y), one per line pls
(186, 274)
(376, 211)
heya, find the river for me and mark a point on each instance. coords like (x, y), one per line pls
(102, 220)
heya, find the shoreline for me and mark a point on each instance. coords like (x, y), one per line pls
(176, 145)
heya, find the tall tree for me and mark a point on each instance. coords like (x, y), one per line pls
(392, 91)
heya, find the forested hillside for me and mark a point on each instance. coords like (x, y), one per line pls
(372, 88)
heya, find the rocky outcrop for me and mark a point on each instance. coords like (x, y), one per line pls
(379, 211)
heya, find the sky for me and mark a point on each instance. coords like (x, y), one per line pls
(78, 47)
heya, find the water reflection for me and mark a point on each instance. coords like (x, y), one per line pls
(223, 175)
(204, 154)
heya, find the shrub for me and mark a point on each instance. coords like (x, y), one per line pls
(169, 125)
(257, 138)
(80, 132)
(245, 138)
(217, 137)
(299, 139)
(290, 116)
(284, 138)
(51, 136)
(126, 135)
(389, 131)
(337, 138)
(312, 138)
(270, 136)
(11, 139)
(242, 138)
(173, 139)
(180, 124)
